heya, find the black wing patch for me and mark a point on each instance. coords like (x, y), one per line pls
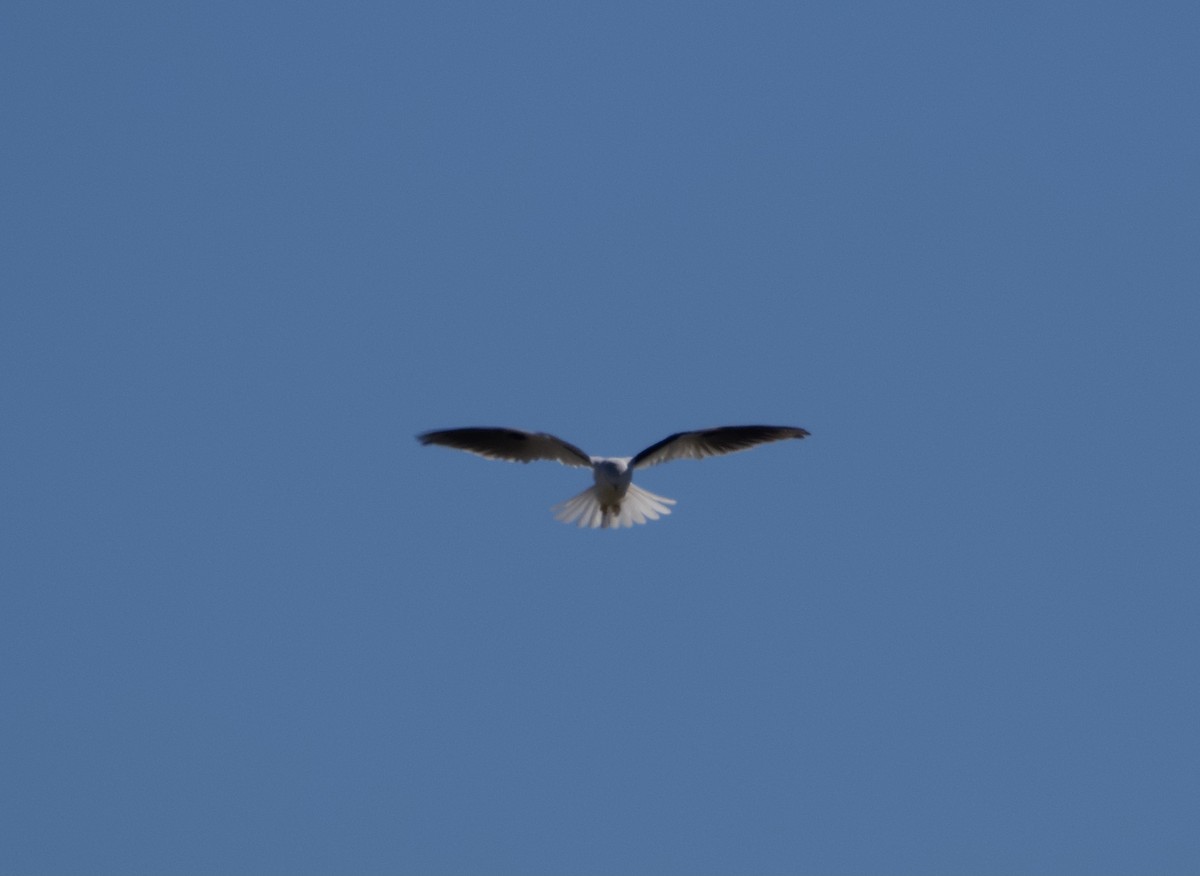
(713, 442)
(512, 445)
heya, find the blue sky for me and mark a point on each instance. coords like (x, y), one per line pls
(249, 625)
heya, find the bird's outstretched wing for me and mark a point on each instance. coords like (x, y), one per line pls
(509, 444)
(712, 442)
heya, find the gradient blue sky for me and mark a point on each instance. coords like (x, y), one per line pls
(248, 625)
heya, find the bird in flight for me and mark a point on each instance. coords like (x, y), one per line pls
(613, 501)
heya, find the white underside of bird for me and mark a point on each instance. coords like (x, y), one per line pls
(613, 501)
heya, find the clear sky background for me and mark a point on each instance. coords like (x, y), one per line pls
(249, 625)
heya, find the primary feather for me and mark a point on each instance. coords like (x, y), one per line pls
(712, 442)
(512, 445)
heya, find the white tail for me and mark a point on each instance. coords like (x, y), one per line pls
(637, 506)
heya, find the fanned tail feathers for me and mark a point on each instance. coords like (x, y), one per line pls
(638, 506)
